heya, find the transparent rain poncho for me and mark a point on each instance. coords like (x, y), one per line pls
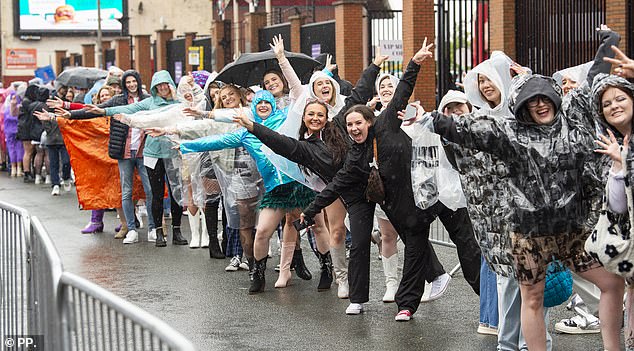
(433, 177)
(179, 170)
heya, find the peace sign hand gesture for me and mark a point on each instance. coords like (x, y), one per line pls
(423, 53)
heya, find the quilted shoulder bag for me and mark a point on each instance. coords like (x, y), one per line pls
(558, 288)
(375, 191)
(611, 240)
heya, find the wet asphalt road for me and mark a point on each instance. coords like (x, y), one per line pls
(193, 293)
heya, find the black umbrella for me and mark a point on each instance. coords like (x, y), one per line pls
(249, 68)
(81, 77)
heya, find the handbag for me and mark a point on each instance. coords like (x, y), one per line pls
(558, 288)
(375, 191)
(611, 240)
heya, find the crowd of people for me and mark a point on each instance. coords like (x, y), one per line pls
(514, 166)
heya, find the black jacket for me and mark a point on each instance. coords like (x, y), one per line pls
(29, 126)
(118, 130)
(394, 158)
(313, 153)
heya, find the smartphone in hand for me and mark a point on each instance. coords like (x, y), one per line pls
(302, 225)
(410, 113)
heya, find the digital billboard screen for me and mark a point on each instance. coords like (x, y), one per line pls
(68, 16)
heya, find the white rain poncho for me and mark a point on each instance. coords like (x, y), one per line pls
(433, 177)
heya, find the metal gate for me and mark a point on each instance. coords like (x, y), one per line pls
(318, 38)
(176, 58)
(552, 35)
(462, 28)
(384, 26)
(266, 34)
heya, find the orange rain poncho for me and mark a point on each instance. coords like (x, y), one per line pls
(96, 174)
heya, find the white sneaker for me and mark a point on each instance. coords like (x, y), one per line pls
(354, 308)
(38, 179)
(67, 185)
(438, 287)
(55, 191)
(48, 179)
(132, 237)
(243, 265)
(234, 264)
(151, 236)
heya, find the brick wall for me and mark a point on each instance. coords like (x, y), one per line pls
(349, 38)
(502, 26)
(617, 19)
(142, 57)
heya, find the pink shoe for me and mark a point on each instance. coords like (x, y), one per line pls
(403, 316)
(92, 228)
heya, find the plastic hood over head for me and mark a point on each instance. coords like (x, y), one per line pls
(529, 86)
(183, 88)
(497, 69)
(161, 77)
(577, 73)
(339, 99)
(263, 95)
(380, 79)
(601, 82)
(451, 97)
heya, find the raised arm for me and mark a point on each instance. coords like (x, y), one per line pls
(294, 84)
(404, 89)
(214, 142)
(608, 39)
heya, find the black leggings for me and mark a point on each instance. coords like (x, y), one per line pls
(157, 183)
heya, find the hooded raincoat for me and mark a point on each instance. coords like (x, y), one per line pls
(552, 183)
(159, 147)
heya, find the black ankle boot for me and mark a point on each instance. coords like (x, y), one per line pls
(211, 221)
(177, 237)
(258, 277)
(160, 238)
(300, 267)
(325, 281)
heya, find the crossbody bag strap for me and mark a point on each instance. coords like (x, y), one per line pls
(376, 157)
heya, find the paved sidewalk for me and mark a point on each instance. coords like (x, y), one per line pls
(194, 294)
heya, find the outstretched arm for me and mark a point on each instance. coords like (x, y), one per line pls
(213, 143)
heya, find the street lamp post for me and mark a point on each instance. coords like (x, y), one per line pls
(99, 43)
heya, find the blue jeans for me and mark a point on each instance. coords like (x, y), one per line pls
(488, 296)
(126, 174)
(54, 154)
(510, 337)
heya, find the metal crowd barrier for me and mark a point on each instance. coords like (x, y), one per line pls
(60, 309)
(438, 235)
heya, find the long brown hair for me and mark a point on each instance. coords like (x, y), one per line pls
(218, 103)
(279, 74)
(331, 135)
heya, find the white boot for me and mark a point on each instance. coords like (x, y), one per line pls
(390, 269)
(194, 227)
(204, 237)
(340, 266)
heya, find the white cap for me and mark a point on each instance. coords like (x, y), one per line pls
(451, 97)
